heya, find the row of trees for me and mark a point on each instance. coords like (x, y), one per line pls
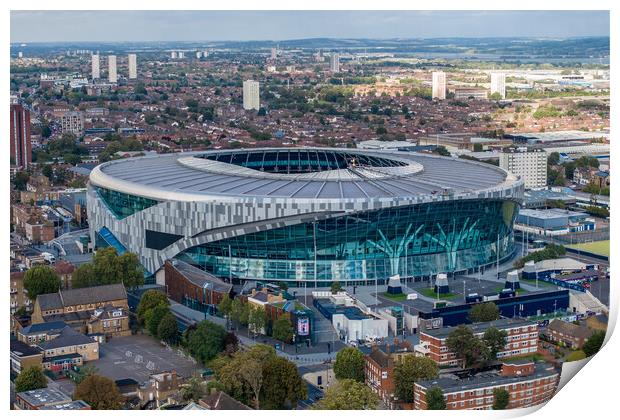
(550, 252)
(154, 313)
(241, 313)
(109, 268)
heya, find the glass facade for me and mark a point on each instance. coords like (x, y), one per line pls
(300, 161)
(412, 241)
(121, 204)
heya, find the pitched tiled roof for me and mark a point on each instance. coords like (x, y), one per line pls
(569, 329)
(219, 400)
(67, 337)
(82, 296)
(43, 327)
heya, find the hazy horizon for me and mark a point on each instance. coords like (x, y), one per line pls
(217, 26)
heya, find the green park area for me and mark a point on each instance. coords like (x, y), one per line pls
(598, 247)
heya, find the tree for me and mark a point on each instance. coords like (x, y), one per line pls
(149, 300)
(99, 392)
(465, 345)
(41, 279)
(495, 341)
(225, 306)
(348, 395)
(576, 355)
(231, 343)
(110, 268)
(131, 271)
(84, 276)
(154, 316)
(239, 312)
(495, 96)
(283, 330)
(484, 312)
(501, 398)
(442, 151)
(409, 370)
(30, 378)
(20, 180)
(553, 159)
(252, 373)
(205, 341)
(282, 386)
(257, 319)
(335, 287)
(350, 364)
(228, 372)
(168, 328)
(435, 399)
(194, 389)
(594, 343)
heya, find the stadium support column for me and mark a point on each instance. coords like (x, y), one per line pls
(314, 242)
(229, 264)
(497, 262)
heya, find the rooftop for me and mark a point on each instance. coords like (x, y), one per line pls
(311, 173)
(201, 278)
(484, 380)
(82, 296)
(44, 396)
(481, 327)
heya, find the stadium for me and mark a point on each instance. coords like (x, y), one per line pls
(306, 215)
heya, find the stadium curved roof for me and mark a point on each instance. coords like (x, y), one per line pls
(298, 173)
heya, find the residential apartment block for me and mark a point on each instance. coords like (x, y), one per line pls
(521, 340)
(529, 164)
(528, 384)
(379, 368)
(251, 95)
(72, 122)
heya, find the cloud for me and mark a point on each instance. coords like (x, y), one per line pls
(101, 26)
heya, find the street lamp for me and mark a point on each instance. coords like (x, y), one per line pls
(204, 297)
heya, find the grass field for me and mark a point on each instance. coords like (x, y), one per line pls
(599, 247)
(432, 294)
(398, 297)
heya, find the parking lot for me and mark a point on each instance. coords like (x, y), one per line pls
(139, 356)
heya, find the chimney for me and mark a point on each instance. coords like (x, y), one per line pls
(388, 349)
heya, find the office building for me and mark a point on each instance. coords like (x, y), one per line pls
(21, 146)
(529, 164)
(498, 84)
(353, 202)
(274, 53)
(132, 61)
(439, 85)
(173, 54)
(96, 73)
(112, 76)
(334, 63)
(251, 95)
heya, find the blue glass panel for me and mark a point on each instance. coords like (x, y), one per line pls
(122, 204)
(412, 241)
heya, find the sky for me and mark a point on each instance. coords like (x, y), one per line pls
(140, 26)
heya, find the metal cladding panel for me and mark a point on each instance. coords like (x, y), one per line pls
(204, 207)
